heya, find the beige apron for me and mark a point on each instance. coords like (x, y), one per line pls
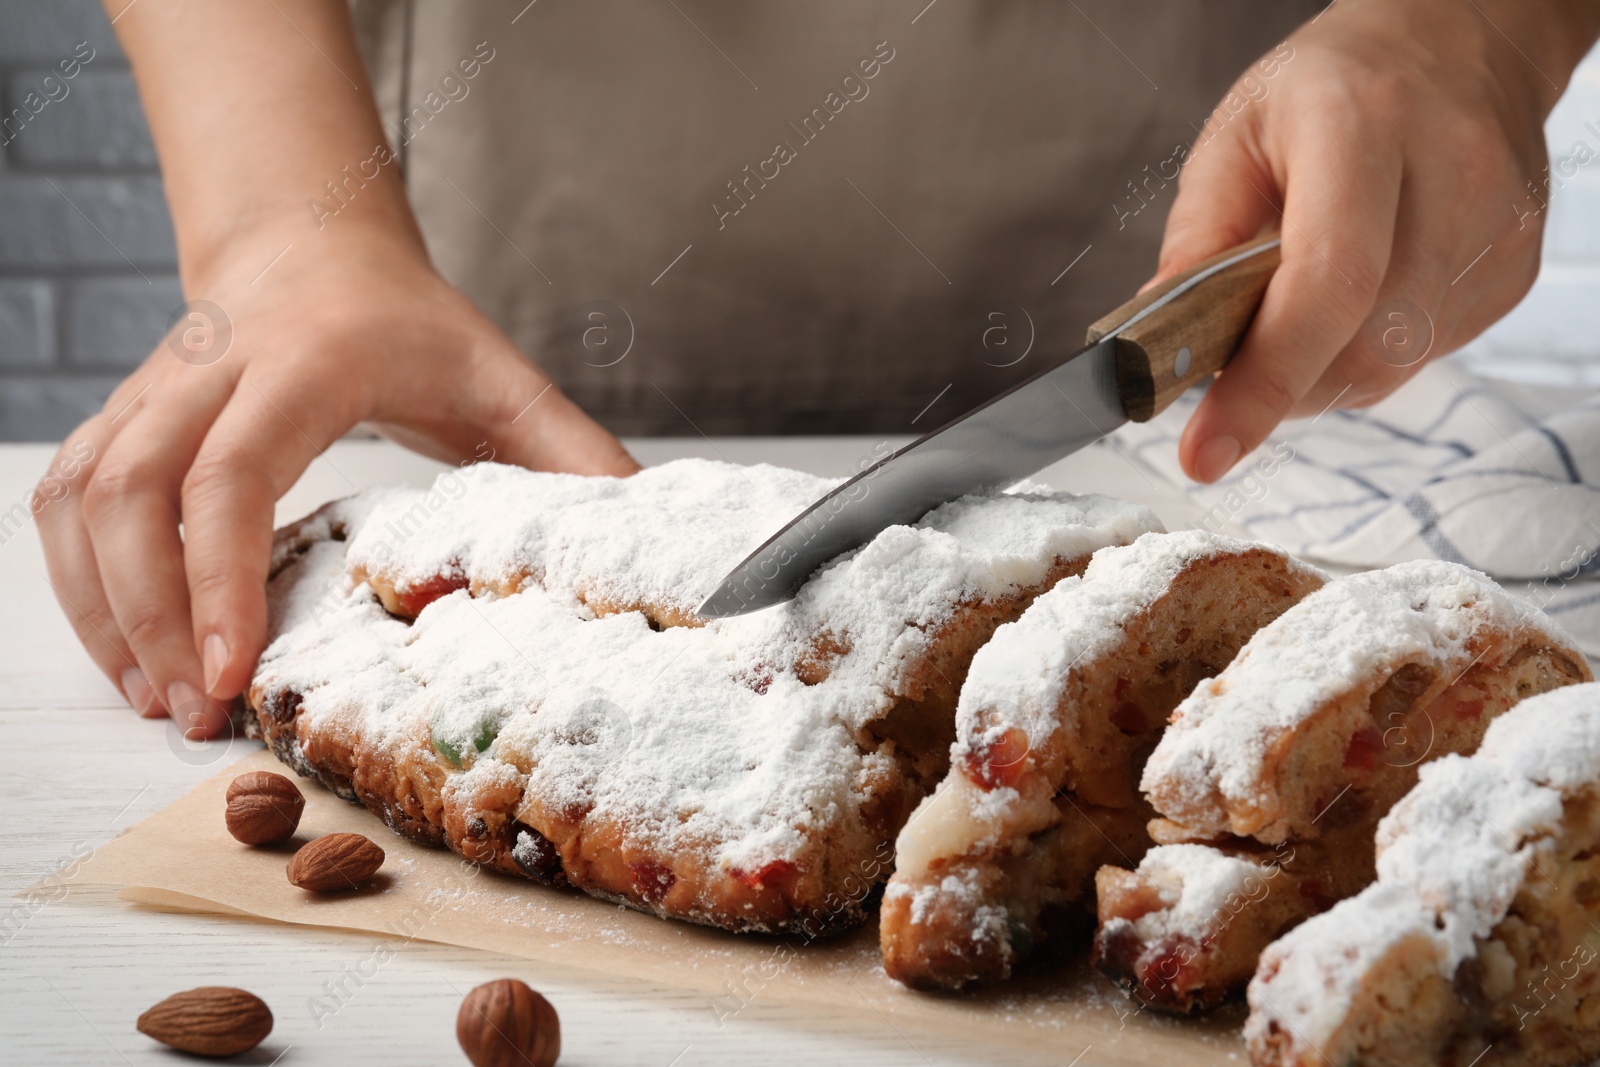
(723, 217)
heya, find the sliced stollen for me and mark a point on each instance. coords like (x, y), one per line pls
(1274, 774)
(508, 664)
(1480, 941)
(1054, 723)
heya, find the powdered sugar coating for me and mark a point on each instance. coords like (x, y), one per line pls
(1200, 887)
(667, 738)
(1355, 629)
(665, 535)
(1453, 855)
(1015, 532)
(669, 534)
(695, 738)
(977, 548)
(1551, 739)
(1461, 838)
(1022, 672)
(963, 886)
(1456, 841)
(1307, 980)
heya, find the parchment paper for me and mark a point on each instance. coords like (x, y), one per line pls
(183, 857)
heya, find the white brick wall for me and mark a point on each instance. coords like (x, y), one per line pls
(87, 266)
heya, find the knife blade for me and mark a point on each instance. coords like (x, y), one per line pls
(1138, 360)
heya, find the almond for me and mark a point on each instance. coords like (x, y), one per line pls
(213, 1020)
(335, 861)
(263, 808)
(506, 1024)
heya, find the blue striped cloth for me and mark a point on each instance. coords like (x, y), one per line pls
(1501, 477)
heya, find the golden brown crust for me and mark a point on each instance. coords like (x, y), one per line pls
(975, 894)
(1531, 994)
(1306, 710)
(497, 822)
(967, 932)
(1198, 968)
(1375, 735)
(1480, 941)
(1406, 986)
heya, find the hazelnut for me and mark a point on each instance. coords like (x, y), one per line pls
(263, 808)
(506, 1024)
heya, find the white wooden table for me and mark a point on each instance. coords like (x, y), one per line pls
(81, 767)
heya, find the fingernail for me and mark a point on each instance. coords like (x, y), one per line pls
(138, 691)
(216, 658)
(1213, 458)
(198, 717)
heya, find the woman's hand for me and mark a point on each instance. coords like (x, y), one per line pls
(158, 525)
(359, 329)
(1399, 147)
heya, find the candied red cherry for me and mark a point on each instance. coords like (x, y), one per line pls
(766, 875)
(414, 598)
(998, 762)
(651, 881)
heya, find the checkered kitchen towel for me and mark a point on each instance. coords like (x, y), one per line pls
(1501, 477)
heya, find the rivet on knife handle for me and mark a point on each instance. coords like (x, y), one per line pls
(1165, 347)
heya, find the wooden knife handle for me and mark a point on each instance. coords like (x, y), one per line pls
(1192, 336)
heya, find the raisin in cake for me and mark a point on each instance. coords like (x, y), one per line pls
(1480, 941)
(509, 664)
(1273, 775)
(1055, 720)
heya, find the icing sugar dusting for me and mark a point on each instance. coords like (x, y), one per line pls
(1462, 838)
(1314, 971)
(1024, 669)
(693, 738)
(1350, 631)
(1453, 855)
(1199, 886)
(665, 536)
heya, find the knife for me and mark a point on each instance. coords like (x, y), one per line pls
(1138, 360)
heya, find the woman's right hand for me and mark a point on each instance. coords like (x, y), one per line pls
(352, 325)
